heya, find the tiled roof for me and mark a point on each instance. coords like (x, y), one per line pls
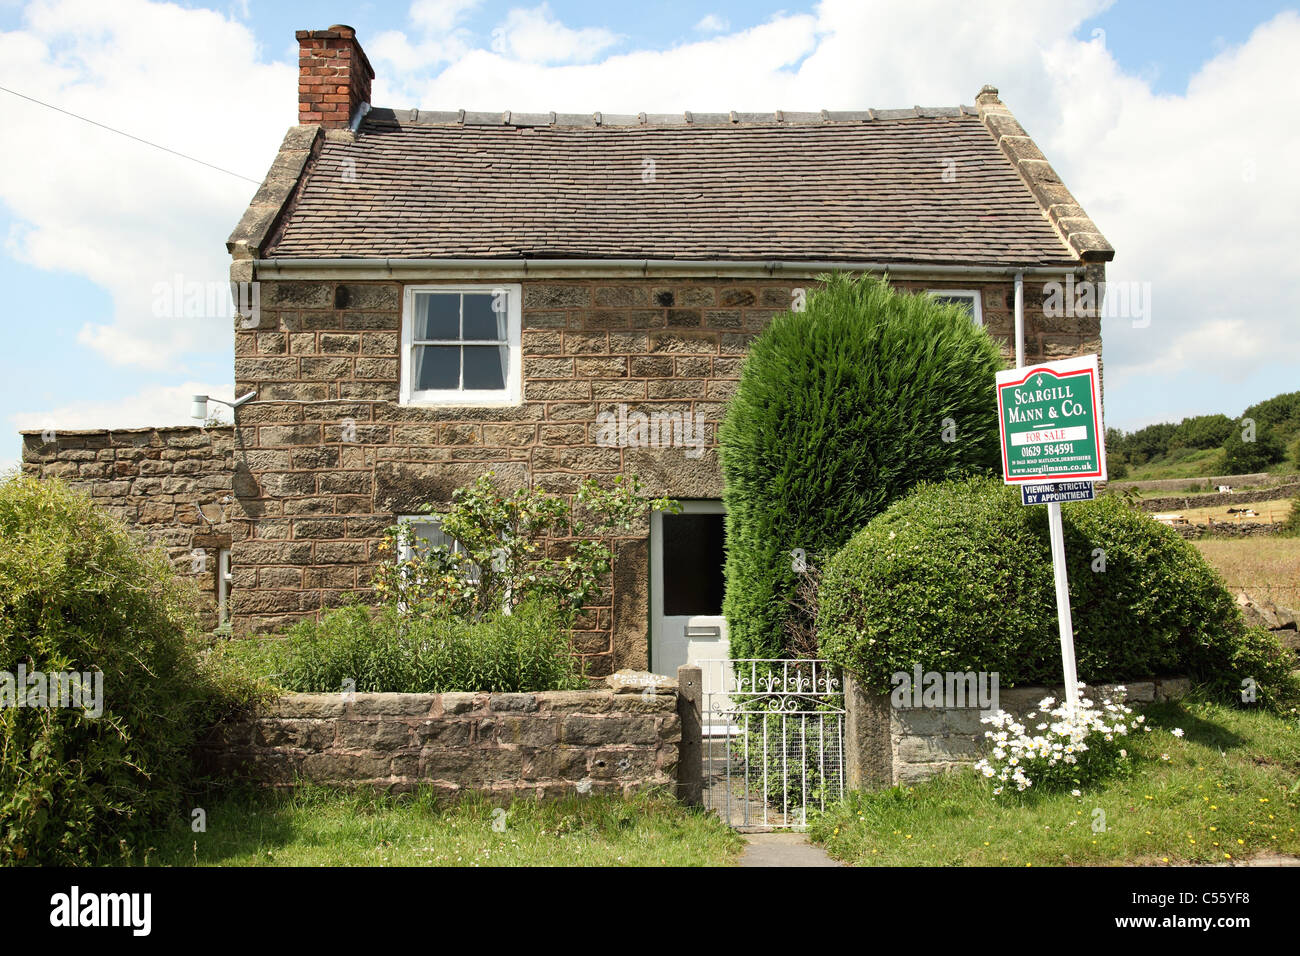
(917, 185)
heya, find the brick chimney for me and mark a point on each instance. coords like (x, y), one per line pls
(333, 77)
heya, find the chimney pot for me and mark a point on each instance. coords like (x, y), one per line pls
(332, 69)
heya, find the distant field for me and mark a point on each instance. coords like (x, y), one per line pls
(1262, 567)
(1265, 511)
(1193, 465)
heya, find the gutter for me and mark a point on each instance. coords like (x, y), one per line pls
(543, 268)
(1020, 319)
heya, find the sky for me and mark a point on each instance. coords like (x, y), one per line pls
(1168, 121)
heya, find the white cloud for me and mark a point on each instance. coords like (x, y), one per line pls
(1196, 192)
(535, 36)
(439, 16)
(442, 37)
(712, 23)
(734, 71)
(155, 405)
(118, 212)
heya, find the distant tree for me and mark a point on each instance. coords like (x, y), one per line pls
(1201, 431)
(1279, 413)
(1147, 443)
(1243, 456)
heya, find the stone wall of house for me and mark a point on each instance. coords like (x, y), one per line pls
(330, 457)
(174, 485)
(543, 745)
(889, 745)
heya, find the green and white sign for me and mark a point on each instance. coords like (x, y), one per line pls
(1050, 419)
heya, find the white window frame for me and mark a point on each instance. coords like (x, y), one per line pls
(510, 395)
(977, 309)
(404, 550)
(224, 580)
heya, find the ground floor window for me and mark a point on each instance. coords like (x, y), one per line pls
(223, 586)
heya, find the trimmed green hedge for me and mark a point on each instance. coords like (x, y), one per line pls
(80, 593)
(840, 409)
(958, 577)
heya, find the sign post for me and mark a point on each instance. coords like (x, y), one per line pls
(1053, 446)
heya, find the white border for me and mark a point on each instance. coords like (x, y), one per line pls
(1080, 364)
(513, 392)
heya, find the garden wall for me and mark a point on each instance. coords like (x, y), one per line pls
(541, 745)
(888, 745)
(173, 485)
(1229, 529)
(1214, 499)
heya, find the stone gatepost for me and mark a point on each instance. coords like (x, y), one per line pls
(690, 766)
(869, 756)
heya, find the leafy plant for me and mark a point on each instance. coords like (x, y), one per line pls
(1065, 747)
(840, 409)
(79, 593)
(392, 652)
(511, 548)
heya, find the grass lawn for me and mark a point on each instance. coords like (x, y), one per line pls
(1228, 790)
(320, 827)
(1264, 567)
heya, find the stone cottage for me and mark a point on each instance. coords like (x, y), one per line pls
(427, 295)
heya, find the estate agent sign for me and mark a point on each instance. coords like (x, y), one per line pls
(1049, 417)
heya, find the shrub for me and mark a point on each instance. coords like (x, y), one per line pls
(386, 651)
(839, 410)
(1291, 526)
(958, 577)
(78, 593)
(502, 549)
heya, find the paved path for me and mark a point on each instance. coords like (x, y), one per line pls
(745, 811)
(782, 848)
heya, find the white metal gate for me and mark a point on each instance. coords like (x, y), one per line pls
(774, 740)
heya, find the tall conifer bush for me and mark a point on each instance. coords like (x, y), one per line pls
(841, 408)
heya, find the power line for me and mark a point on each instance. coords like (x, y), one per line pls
(119, 132)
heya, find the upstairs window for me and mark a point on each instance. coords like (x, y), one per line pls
(969, 299)
(460, 345)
